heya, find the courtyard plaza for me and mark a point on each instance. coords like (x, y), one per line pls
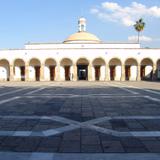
(79, 120)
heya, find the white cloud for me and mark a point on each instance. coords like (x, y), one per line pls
(127, 15)
(111, 6)
(141, 38)
(94, 11)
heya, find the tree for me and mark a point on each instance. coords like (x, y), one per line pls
(139, 26)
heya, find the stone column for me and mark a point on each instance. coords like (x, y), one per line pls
(123, 73)
(74, 72)
(154, 75)
(90, 72)
(27, 72)
(139, 73)
(58, 72)
(11, 73)
(42, 72)
(107, 75)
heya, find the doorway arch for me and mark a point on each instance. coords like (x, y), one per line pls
(49, 70)
(34, 69)
(4, 70)
(146, 69)
(66, 69)
(82, 68)
(98, 69)
(115, 69)
(19, 70)
(131, 68)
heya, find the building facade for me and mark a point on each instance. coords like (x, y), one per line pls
(82, 56)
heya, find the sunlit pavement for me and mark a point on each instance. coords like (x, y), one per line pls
(57, 120)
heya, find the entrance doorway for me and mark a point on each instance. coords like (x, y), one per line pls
(97, 73)
(52, 72)
(127, 72)
(37, 73)
(67, 73)
(22, 73)
(142, 72)
(82, 71)
(112, 72)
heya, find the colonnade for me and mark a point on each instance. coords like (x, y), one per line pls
(67, 69)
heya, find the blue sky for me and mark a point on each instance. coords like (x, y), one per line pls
(25, 21)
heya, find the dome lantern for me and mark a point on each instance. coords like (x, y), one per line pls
(82, 36)
(82, 25)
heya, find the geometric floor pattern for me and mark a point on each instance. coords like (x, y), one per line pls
(93, 118)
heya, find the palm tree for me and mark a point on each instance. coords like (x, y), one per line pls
(139, 26)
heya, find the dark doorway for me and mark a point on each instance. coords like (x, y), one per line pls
(82, 71)
(37, 73)
(143, 72)
(127, 72)
(22, 73)
(112, 72)
(67, 73)
(52, 73)
(97, 73)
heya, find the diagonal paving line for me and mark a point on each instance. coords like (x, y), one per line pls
(60, 130)
(123, 88)
(124, 134)
(151, 98)
(34, 91)
(8, 100)
(143, 89)
(14, 91)
(88, 124)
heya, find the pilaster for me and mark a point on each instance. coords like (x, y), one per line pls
(74, 72)
(138, 73)
(123, 73)
(154, 75)
(42, 72)
(27, 72)
(11, 77)
(107, 78)
(90, 72)
(57, 72)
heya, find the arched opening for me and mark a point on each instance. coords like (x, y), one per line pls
(4, 70)
(66, 70)
(49, 70)
(131, 69)
(146, 69)
(98, 71)
(158, 69)
(115, 69)
(19, 70)
(82, 69)
(34, 69)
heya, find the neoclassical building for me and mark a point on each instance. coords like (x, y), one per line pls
(82, 56)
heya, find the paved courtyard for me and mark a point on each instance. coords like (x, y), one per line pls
(79, 117)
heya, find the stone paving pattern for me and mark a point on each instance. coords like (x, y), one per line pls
(80, 104)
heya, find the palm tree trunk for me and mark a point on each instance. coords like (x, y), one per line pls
(138, 37)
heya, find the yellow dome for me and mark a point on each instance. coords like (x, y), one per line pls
(82, 37)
